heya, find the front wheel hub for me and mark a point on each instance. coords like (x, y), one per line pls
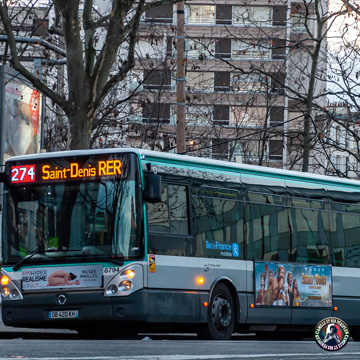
(221, 312)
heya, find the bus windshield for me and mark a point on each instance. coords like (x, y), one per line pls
(91, 218)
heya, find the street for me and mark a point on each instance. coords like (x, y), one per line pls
(147, 349)
(46, 344)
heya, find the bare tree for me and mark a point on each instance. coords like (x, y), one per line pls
(99, 43)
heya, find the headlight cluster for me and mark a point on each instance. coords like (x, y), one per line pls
(127, 280)
(8, 289)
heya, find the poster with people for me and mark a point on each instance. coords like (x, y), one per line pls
(284, 284)
(21, 117)
(87, 276)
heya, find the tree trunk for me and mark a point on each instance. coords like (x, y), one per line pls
(80, 130)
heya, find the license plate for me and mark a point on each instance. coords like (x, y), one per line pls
(65, 314)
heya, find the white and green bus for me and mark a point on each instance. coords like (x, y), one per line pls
(127, 240)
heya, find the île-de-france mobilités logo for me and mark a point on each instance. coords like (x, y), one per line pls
(332, 334)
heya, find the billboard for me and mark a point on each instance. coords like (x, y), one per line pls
(284, 284)
(21, 115)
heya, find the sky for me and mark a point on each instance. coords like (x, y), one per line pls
(340, 23)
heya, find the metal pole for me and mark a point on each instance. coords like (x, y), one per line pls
(180, 79)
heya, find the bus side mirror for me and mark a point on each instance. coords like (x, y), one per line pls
(152, 192)
(4, 178)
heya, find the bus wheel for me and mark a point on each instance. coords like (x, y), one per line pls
(221, 315)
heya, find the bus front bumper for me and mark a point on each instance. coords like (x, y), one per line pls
(35, 309)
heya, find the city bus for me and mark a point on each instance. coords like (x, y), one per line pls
(122, 241)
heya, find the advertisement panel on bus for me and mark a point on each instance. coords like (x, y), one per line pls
(278, 284)
(62, 277)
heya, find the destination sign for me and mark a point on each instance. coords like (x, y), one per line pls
(70, 171)
(74, 171)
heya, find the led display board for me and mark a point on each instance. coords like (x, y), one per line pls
(74, 169)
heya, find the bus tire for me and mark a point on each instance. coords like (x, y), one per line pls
(221, 315)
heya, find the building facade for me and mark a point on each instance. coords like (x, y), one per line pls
(247, 77)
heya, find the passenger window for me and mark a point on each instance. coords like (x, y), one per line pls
(348, 237)
(267, 232)
(218, 225)
(309, 236)
(158, 214)
(169, 216)
(178, 211)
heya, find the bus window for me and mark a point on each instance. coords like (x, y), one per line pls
(267, 235)
(171, 214)
(309, 238)
(350, 228)
(168, 225)
(178, 210)
(158, 213)
(218, 225)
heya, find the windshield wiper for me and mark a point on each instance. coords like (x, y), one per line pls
(18, 265)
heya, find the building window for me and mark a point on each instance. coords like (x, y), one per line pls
(276, 150)
(222, 81)
(200, 14)
(201, 48)
(252, 15)
(296, 121)
(156, 113)
(199, 81)
(279, 15)
(157, 80)
(278, 49)
(277, 116)
(160, 14)
(170, 47)
(299, 22)
(198, 115)
(150, 47)
(221, 114)
(135, 80)
(277, 83)
(223, 14)
(249, 83)
(250, 50)
(240, 115)
(248, 116)
(135, 114)
(223, 48)
(338, 135)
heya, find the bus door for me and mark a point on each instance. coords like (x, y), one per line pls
(172, 265)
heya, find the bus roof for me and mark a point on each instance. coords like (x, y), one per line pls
(186, 159)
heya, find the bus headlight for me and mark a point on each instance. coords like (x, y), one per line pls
(4, 280)
(9, 290)
(5, 291)
(125, 285)
(14, 294)
(127, 274)
(126, 282)
(113, 289)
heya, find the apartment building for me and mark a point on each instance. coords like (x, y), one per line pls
(242, 57)
(340, 136)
